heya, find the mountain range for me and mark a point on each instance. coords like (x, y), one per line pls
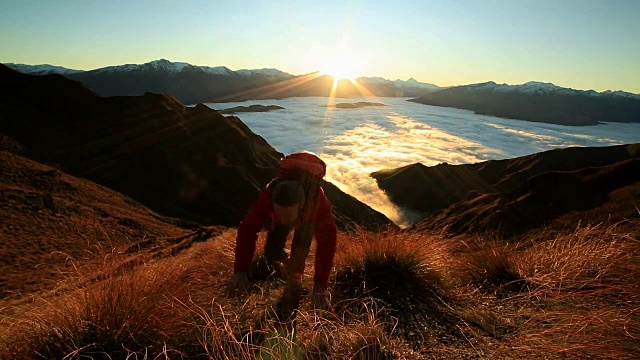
(539, 102)
(156, 65)
(191, 84)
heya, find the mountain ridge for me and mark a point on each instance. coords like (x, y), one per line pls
(542, 88)
(523, 193)
(222, 70)
(190, 84)
(539, 102)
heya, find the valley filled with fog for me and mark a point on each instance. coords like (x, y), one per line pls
(356, 142)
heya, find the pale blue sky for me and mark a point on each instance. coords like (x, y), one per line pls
(584, 44)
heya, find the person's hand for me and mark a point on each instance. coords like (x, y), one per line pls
(239, 283)
(321, 300)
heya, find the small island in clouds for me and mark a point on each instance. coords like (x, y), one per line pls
(356, 105)
(250, 108)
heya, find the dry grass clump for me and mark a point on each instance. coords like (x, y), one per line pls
(223, 334)
(126, 313)
(331, 335)
(247, 330)
(584, 296)
(591, 259)
(396, 295)
(490, 266)
(603, 332)
(408, 273)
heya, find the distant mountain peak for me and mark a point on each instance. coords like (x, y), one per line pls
(621, 93)
(374, 79)
(42, 69)
(164, 64)
(170, 67)
(173, 67)
(540, 83)
(411, 82)
(542, 88)
(264, 72)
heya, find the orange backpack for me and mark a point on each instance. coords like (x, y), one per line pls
(308, 169)
(304, 161)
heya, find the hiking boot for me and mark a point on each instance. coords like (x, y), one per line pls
(278, 270)
(289, 303)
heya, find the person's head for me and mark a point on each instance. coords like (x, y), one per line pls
(288, 200)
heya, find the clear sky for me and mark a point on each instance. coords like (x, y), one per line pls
(583, 44)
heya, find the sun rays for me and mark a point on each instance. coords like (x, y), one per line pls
(344, 67)
(340, 70)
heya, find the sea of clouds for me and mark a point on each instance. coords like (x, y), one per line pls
(356, 142)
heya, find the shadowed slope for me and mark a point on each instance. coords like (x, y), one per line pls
(177, 160)
(518, 194)
(50, 219)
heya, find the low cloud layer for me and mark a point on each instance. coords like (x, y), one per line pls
(356, 142)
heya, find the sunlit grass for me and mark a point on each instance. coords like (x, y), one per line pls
(395, 295)
(407, 273)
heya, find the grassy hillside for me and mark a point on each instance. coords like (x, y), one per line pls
(395, 295)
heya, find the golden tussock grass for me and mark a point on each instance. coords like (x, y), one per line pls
(395, 295)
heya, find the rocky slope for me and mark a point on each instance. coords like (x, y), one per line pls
(518, 194)
(51, 221)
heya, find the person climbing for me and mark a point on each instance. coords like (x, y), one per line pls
(294, 200)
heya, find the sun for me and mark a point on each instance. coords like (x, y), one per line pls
(339, 71)
(341, 66)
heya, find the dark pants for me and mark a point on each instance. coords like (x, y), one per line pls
(274, 251)
(276, 241)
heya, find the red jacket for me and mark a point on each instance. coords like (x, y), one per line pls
(325, 231)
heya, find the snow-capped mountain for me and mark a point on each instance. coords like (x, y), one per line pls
(408, 88)
(400, 83)
(161, 65)
(263, 72)
(193, 83)
(620, 93)
(374, 80)
(43, 69)
(543, 88)
(540, 102)
(168, 67)
(414, 83)
(187, 82)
